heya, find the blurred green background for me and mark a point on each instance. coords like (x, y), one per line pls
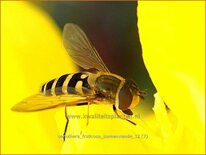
(112, 28)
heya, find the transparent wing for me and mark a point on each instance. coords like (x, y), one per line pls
(41, 102)
(80, 48)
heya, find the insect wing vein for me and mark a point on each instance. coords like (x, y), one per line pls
(80, 48)
(41, 102)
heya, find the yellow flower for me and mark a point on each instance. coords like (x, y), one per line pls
(172, 37)
(31, 54)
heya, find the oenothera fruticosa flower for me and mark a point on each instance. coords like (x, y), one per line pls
(31, 54)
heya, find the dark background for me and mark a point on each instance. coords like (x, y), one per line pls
(112, 28)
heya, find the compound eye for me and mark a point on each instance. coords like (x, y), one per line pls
(125, 97)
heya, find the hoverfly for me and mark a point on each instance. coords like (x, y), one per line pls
(91, 88)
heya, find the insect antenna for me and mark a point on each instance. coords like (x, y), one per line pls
(141, 94)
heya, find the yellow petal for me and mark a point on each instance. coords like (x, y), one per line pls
(104, 135)
(162, 117)
(172, 35)
(31, 54)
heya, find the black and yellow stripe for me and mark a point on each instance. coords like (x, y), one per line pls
(67, 84)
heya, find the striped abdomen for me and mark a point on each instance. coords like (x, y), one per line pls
(76, 83)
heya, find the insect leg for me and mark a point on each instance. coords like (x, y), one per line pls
(115, 110)
(67, 122)
(88, 114)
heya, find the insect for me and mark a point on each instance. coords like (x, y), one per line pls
(84, 88)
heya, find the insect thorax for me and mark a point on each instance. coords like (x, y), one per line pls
(107, 86)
